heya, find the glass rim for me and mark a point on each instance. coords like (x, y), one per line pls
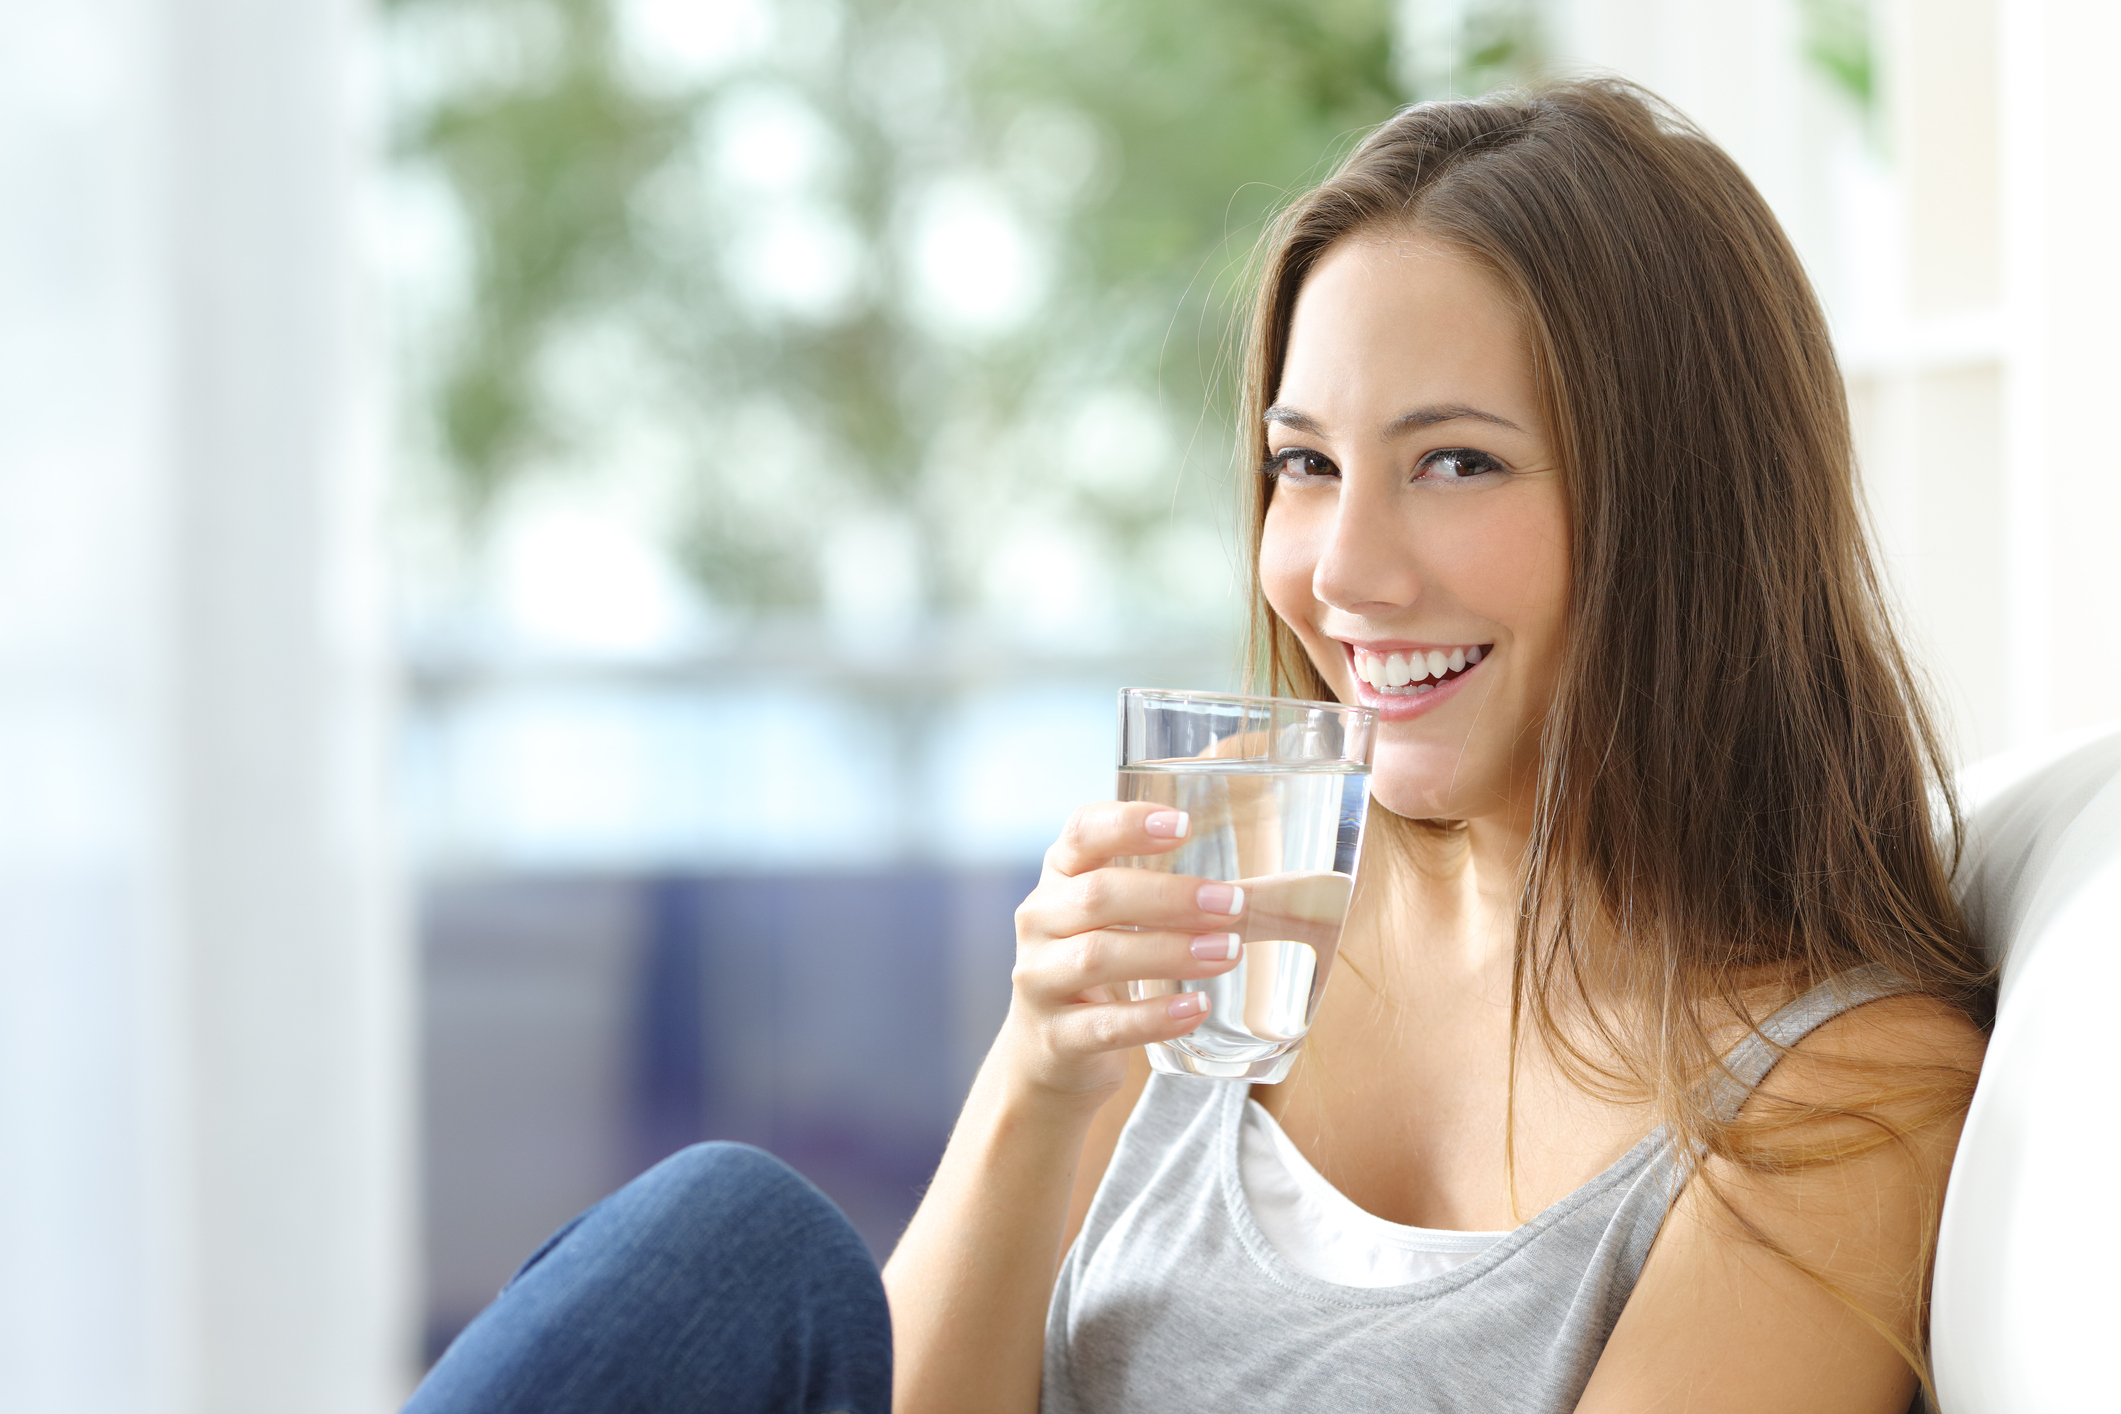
(1179, 694)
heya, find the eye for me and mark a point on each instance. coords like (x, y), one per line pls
(1455, 464)
(1298, 464)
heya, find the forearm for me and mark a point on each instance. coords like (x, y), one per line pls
(970, 1280)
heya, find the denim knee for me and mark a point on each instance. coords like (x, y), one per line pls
(721, 1172)
(721, 1278)
(725, 1198)
(759, 1237)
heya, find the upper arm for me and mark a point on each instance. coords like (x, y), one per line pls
(1719, 1321)
(1102, 1139)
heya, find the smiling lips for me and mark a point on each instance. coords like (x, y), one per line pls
(1412, 672)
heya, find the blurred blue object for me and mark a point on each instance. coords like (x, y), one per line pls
(762, 895)
(580, 1028)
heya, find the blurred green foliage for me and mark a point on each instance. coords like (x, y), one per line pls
(1837, 40)
(545, 169)
(1136, 149)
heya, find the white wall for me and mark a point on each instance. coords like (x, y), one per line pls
(1736, 68)
(2061, 459)
(1965, 252)
(204, 1050)
(1926, 360)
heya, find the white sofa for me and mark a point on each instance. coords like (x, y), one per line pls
(2026, 1309)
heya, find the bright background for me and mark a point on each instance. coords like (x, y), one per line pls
(561, 559)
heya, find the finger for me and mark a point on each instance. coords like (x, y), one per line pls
(1095, 835)
(1059, 972)
(1113, 1026)
(1139, 898)
(1311, 901)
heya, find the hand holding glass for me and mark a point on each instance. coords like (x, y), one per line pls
(1276, 792)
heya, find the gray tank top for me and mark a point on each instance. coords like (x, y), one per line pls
(1172, 1300)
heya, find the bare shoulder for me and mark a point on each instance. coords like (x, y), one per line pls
(1898, 1056)
(1798, 1281)
(1901, 1028)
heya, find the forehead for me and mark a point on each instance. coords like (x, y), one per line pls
(1399, 319)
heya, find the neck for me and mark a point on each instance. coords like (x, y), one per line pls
(1447, 906)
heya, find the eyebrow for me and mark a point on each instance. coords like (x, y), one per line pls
(1411, 421)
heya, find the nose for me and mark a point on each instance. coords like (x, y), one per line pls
(1367, 562)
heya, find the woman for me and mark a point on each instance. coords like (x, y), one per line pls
(1535, 385)
(1537, 376)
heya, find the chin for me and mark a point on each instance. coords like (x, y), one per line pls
(1425, 781)
(1416, 788)
(1413, 802)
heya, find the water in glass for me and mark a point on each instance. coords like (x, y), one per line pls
(1289, 833)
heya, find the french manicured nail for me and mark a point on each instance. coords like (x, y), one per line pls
(1167, 824)
(1221, 898)
(1215, 947)
(1188, 1004)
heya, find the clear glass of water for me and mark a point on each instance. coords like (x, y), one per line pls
(1277, 791)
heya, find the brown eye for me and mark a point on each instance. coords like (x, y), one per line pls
(1298, 464)
(1457, 464)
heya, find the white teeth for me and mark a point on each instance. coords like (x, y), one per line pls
(1398, 671)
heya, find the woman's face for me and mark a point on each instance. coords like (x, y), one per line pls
(1417, 540)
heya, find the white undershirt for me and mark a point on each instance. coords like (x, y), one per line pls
(1318, 1229)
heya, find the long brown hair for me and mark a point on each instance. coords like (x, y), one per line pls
(1739, 779)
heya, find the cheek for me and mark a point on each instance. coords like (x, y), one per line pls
(1287, 559)
(1511, 569)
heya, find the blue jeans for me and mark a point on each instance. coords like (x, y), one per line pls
(720, 1280)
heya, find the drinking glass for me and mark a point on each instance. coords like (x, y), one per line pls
(1277, 792)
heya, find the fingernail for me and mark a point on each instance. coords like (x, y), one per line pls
(1221, 898)
(1215, 947)
(1188, 1004)
(1167, 824)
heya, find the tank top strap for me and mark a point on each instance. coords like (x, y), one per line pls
(1746, 1064)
